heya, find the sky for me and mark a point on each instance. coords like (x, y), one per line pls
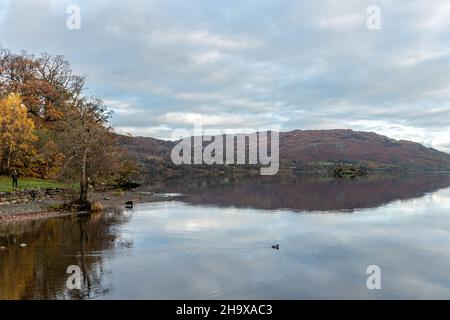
(242, 65)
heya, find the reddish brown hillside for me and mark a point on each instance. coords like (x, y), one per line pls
(357, 146)
(316, 146)
(147, 148)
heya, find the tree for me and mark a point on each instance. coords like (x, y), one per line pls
(45, 83)
(54, 130)
(47, 87)
(16, 133)
(87, 136)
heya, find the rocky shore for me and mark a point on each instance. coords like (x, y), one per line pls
(14, 207)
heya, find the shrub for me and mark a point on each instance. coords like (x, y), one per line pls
(96, 207)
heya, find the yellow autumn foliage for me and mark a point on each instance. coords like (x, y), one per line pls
(16, 133)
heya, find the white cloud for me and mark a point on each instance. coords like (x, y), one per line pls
(202, 38)
(436, 17)
(4, 4)
(162, 64)
(121, 107)
(438, 139)
(342, 21)
(161, 132)
(220, 120)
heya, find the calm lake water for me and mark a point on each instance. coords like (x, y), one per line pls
(216, 243)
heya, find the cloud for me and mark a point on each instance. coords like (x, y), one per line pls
(200, 37)
(300, 65)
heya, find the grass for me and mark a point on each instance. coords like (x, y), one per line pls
(33, 183)
(117, 193)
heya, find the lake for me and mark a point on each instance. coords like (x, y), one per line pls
(216, 243)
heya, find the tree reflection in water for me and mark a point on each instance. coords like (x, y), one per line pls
(39, 269)
(188, 234)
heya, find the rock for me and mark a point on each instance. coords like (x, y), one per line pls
(29, 195)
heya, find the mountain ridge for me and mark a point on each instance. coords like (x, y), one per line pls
(324, 146)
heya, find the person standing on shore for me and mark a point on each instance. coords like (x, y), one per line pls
(15, 178)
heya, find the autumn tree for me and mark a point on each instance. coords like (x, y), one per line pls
(68, 134)
(16, 133)
(45, 83)
(88, 137)
(47, 87)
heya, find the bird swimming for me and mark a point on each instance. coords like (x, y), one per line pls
(129, 204)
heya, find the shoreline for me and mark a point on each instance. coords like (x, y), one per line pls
(110, 200)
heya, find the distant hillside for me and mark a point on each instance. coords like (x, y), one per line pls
(358, 146)
(147, 148)
(310, 150)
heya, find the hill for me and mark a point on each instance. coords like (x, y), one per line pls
(350, 146)
(302, 151)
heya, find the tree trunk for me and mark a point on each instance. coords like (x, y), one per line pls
(83, 241)
(83, 181)
(8, 159)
